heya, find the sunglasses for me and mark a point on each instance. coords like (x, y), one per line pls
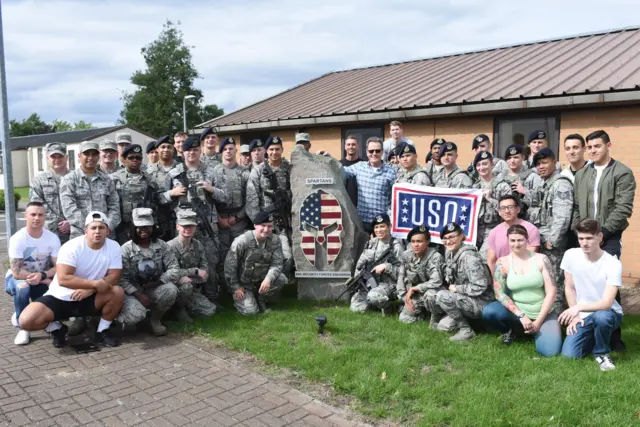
(134, 158)
(375, 151)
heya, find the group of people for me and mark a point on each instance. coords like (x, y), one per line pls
(127, 242)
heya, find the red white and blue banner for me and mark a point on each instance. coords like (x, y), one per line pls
(413, 205)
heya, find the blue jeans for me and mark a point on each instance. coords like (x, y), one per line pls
(594, 336)
(548, 339)
(22, 294)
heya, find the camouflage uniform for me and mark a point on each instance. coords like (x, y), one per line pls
(465, 269)
(211, 161)
(488, 216)
(553, 219)
(531, 181)
(382, 295)
(417, 176)
(190, 258)
(248, 263)
(81, 193)
(426, 273)
(45, 188)
(499, 167)
(211, 244)
(458, 178)
(165, 214)
(104, 170)
(432, 171)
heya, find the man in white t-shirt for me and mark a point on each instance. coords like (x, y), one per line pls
(33, 251)
(397, 138)
(87, 272)
(592, 280)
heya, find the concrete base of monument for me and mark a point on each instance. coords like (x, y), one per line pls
(321, 289)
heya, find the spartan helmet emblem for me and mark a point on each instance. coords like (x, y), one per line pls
(449, 146)
(406, 149)
(422, 228)
(513, 151)
(542, 135)
(483, 155)
(451, 226)
(479, 138)
(231, 140)
(379, 219)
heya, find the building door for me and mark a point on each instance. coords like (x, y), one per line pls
(362, 133)
(516, 130)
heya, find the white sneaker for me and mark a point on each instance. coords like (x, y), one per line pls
(605, 363)
(14, 320)
(22, 338)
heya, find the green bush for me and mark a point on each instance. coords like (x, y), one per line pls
(15, 195)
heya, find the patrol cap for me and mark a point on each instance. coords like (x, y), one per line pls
(89, 145)
(186, 217)
(123, 138)
(133, 148)
(256, 143)
(152, 145)
(448, 146)
(108, 144)
(163, 140)
(244, 149)
(262, 217)
(56, 148)
(545, 153)
(536, 134)
(272, 140)
(405, 148)
(437, 141)
(208, 131)
(189, 143)
(419, 229)
(479, 140)
(512, 150)
(450, 228)
(94, 216)
(381, 219)
(302, 138)
(228, 140)
(143, 217)
(483, 155)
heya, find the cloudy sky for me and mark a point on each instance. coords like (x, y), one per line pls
(71, 60)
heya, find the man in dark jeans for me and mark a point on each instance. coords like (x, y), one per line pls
(604, 190)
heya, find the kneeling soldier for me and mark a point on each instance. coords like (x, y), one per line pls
(468, 280)
(253, 266)
(382, 256)
(423, 267)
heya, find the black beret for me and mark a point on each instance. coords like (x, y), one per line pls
(479, 140)
(255, 144)
(208, 131)
(272, 140)
(133, 148)
(437, 141)
(391, 154)
(545, 153)
(536, 134)
(512, 150)
(262, 217)
(163, 140)
(381, 219)
(483, 155)
(450, 228)
(405, 148)
(189, 143)
(228, 140)
(448, 146)
(151, 146)
(419, 229)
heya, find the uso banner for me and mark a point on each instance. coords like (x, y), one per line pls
(413, 205)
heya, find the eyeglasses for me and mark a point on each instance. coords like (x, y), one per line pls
(507, 208)
(450, 238)
(134, 158)
(374, 151)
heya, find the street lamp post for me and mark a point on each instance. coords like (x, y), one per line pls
(184, 110)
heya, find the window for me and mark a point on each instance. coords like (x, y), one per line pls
(516, 130)
(72, 160)
(40, 160)
(362, 133)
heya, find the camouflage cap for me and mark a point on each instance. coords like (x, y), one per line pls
(143, 217)
(108, 144)
(123, 138)
(94, 216)
(302, 137)
(56, 147)
(89, 145)
(186, 217)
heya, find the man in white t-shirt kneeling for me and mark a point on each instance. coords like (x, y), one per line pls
(87, 271)
(592, 280)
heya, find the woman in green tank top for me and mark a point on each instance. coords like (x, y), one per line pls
(525, 291)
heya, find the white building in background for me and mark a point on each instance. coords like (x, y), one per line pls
(28, 157)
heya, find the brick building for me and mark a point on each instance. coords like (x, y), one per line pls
(572, 85)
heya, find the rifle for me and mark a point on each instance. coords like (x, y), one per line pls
(363, 280)
(198, 205)
(281, 201)
(146, 200)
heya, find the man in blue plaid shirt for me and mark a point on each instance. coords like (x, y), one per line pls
(375, 180)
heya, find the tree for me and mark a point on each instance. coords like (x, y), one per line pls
(156, 106)
(32, 125)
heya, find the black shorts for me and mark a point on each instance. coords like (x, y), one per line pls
(65, 309)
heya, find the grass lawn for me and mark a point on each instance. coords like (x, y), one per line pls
(416, 376)
(23, 192)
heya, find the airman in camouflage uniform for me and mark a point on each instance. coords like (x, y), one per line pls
(209, 142)
(150, 272)
(108, 156)
(451, 175)
(483, 143)
(388, 272)
(123, 140)
(525, 182)
(193, 269)
(434, 166)
(468, 281)
(553, 217)
(423, 269)
(410, 171)
(209, 191)
(258, 152)
(493, 187)
(45, 188)
(158, 172)
(86, 189)
(253, 266)
(245, 156)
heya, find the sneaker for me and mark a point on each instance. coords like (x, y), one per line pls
(605, 363)
(22, 338)
(464, 334)
(14, 320)
(60, 336)
(508, 337)
(108, 338)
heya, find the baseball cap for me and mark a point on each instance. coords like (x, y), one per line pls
(95, 216)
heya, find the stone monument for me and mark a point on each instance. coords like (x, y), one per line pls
(328, 236)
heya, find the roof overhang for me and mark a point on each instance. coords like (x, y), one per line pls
(444, 111)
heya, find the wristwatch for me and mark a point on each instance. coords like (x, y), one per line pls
(43, 276)
(521, 315)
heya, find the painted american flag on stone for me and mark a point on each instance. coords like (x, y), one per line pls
(320, 224)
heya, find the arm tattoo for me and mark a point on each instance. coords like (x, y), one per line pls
(16, 265)
(547, 266)
(499, 288)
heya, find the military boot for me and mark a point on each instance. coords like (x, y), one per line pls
(154, 321)
(183, 316)
(434, 321)
(464, 333)
(446, 324)
(262, 304)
